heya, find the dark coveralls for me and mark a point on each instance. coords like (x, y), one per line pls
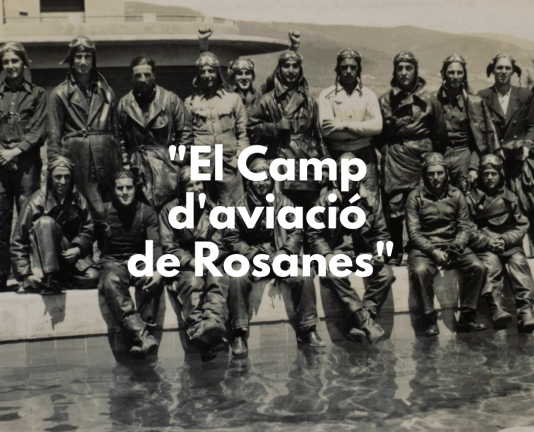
(471, 135)
(44, 229)
(260, 240)
(303, 141)
(501, 216)
(82, 126)
(353, 243)
(146, 131)
(126, 230)
(205, 297)
(437, 222)
(23, 126)
(413, 127)
(517, 123)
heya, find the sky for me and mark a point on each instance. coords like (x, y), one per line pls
(512, 17)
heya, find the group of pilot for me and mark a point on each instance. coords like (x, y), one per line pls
(453, 169)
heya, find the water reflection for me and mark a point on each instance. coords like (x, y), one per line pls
(466, 382)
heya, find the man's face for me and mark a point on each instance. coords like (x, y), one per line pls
(290, 71)
(490, 178)
(348, 71)
(208, 77)
(454, 76)
(503, 71)
(13, 65)
(83, 62)
(195, 186)
(143, 77)
(244, 79)
(61, 179)
(405, 74)
(262, 187)
(125, 191)
(436, 177)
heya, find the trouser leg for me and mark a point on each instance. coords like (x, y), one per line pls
(148, 302)
(475, 277)
(495, 279)
(215, 304)
(114, 284)
(520, 278)
(304, 299)
(190, 290)
(421, 270)
(342, 288)
(394, 204)
(458, 160)
(92, 194)
(46, 245)
(378, 289)
(238, 301)
(6, 218)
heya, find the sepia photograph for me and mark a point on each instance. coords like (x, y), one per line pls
(299, 215)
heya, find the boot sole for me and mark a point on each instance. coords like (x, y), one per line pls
(503, 321)
(468, 330)
(374, 340)
(528, 328)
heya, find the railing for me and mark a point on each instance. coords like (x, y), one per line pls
(82, 18)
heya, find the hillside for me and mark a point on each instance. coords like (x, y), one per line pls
(320, 45)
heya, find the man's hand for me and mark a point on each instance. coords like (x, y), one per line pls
(284, 124)
(440, 257)
(35, 279)
(152, 282)
(294, 37)
(524, 155)
(71, 255)
(496, 245)
(204, 33)
(7, 155)
(329, 125)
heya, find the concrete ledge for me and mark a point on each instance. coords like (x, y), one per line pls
(85, 313)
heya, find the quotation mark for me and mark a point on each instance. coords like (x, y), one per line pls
(181, 152)
(380, 248)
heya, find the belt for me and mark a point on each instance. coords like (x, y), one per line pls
(86, 132)
(458, 143)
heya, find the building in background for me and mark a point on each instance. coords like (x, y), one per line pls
(122, 30)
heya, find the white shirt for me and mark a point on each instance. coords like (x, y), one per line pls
(359, 113)
(504, 100)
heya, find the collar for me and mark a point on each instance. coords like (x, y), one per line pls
(499, 95)
(26, 86)
(504, 192)
(460, 98)
(219, 93)
(280, 88)
(416, 91)
(339, 88)
(448, 191)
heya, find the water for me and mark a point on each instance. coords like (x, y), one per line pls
(480, 382)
